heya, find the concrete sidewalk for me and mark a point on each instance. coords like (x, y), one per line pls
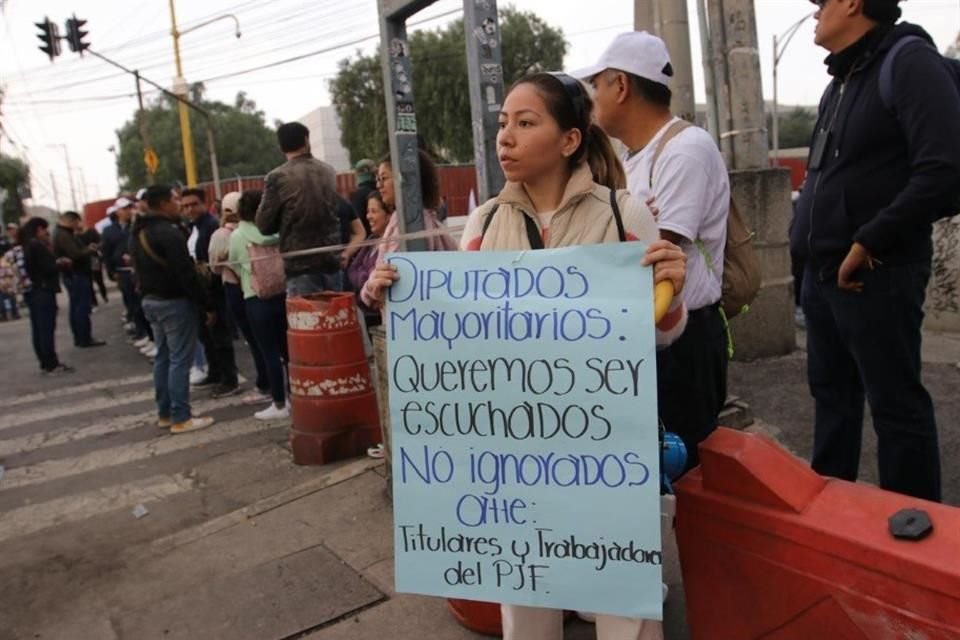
(316, 560)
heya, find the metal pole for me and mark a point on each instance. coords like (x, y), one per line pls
(401, 116)
(485, 74)
(180, 88)
(675, 31)
(73, 189)
(213, 161)
(775, 118)
(56, 194)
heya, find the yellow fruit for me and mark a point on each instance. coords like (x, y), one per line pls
(662, 297)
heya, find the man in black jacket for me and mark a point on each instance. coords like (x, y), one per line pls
(76, 277)
(300, 203)
(173, 298)
(876, 178)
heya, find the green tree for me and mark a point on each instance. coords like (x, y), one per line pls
(245, 144)
(440, 85)
(14, 187)
(796, 127)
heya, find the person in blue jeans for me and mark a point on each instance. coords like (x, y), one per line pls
(76, 277)
(44, 272)
(172, 299)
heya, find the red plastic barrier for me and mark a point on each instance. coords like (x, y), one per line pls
(333, 401)
(482, 617)
(771, 550)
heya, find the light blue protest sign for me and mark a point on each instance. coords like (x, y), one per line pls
(524, 428)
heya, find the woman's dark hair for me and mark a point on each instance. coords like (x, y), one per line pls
(29, 229)
(248, 205)
(429, 179)
(569, 104)
(376, 195)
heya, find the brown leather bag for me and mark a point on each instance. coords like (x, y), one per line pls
(740, 281)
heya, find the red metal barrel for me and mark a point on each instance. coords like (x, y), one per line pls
(333, 401)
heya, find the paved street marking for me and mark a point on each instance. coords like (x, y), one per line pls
(63, 409)
(36, 441)
(31, 518)
(58, 394)
(98, 460)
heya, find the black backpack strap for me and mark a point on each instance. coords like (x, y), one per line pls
(616, 215)
(488, 220)
(533, 233)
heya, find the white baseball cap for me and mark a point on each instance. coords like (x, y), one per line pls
(123, 203)
(636, 52)
(231, 202)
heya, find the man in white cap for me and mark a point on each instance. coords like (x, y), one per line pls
(677, 168)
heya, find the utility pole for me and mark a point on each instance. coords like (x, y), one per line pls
(73, 189)
(668, 20)
(56, 194)
(180, 88)
(761, 193)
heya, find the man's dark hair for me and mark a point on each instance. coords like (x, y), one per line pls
(193, 191)
(157, 194)
(292, 136)
(72, 216)
(29, 230)
(249, 203)
(650, 91)
(882, 11)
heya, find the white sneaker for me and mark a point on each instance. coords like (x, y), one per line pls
(151, 352)
(197, 375)
(142, 342)
(149, 345)
(273, 412)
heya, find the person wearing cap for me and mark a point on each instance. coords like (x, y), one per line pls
(880, 171)
(115, 248)
(678, 168)
(366, 172)
(75, 267)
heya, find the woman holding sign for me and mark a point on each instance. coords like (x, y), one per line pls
(563, 189)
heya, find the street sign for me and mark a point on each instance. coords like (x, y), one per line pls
(151, 160)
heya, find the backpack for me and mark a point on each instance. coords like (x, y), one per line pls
(740, 281)
(886, 97)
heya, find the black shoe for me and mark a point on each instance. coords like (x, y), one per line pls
(91, 343)
(206, 382)
(225, 390)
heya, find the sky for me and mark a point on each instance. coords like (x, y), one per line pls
(71, 108)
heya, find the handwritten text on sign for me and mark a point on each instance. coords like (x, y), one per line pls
(524, 428)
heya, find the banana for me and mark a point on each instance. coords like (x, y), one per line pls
(662, 297)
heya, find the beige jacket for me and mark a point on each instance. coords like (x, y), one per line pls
(583, 217)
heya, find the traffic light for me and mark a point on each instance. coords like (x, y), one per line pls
(76, 34)
(49, 38)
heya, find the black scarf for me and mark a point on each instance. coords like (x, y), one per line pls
(841, 63)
